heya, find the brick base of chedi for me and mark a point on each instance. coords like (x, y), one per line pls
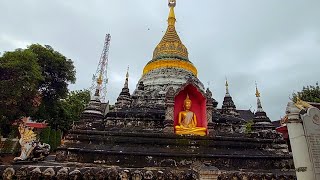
(143, 139)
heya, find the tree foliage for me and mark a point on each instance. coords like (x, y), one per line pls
(19, 82)
(308, 93)
(68, 110)
(34, 82)
(57, 72)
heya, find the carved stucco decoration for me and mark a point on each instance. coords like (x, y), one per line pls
(35, 173)
(8, 173)
(75, 174)
(137, 175)
(62, 173)
(48, 173)
(125, 175)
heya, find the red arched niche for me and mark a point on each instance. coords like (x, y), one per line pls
(198, 105)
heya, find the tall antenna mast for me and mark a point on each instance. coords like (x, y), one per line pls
(100, 78)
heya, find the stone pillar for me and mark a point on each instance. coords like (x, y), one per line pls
(169, 114)
(298, 143)
(209, 111)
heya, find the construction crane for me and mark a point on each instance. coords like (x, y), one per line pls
(100, 78)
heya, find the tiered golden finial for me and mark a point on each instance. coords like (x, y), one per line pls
(259, 106)
(172, 17)
(170, 52)
(257, 91)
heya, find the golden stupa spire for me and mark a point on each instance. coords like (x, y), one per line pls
(170, 52)
(172, 17)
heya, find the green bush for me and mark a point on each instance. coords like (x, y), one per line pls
(53, 142)
(249, 127)
(45, 135)
(58, 138)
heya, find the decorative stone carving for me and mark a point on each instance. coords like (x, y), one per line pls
(235, 176)
(170, 175)
(75, 174)
(124, 175)
(101, 175)
(62, 173)
(88, 175)
(137, 175)
(141, 86)
(169, 112)
(61, 155)
(35, 174)
(160, 175)
(244, 176)
(22, 173)
(49, 173)
(148, 175)
(113, 174)
(8, 173)
(169, 104)
(209, 105)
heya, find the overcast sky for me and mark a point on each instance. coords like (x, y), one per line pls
(275, 43)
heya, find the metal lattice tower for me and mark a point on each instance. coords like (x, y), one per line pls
(100, 78)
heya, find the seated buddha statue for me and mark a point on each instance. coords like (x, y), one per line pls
(187, 121)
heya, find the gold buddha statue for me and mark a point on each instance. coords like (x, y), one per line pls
(187, 121)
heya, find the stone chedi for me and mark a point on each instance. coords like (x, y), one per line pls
(170, 67)
(170, 127)
(228, 106)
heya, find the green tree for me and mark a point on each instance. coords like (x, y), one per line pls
(58, 71)
(70, 109)
(309, 94)
(34, 82)
(19, 82)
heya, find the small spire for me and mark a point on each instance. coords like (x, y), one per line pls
(172, 17)
(127, 79)
(227, 87)
(127, 75)
(259, 106)
(257, 91)
(260, 116)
